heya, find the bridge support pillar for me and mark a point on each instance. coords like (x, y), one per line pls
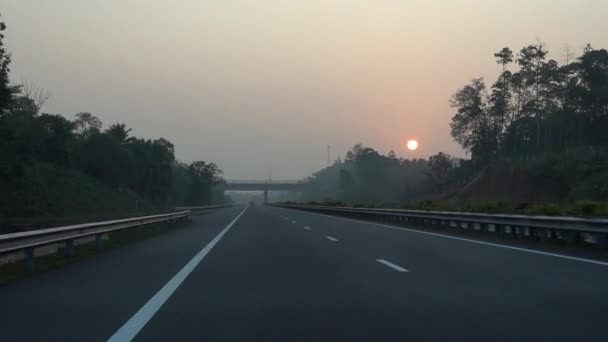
(266, 196)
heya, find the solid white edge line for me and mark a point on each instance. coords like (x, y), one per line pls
(391, 265)
(307, 228)
(532, 251)
(294, 222)
(331, 238)
(134, 325)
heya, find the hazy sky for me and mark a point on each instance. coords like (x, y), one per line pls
(253, 83)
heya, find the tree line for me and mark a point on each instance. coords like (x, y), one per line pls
(367, 177)
(535, 107)
(30, 139)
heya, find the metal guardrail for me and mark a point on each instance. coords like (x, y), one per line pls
(567, 229)
(27, 242)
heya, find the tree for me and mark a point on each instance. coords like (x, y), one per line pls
(120, 132)
(36, 95)
(504, 57)
(154, 160)
(593, 70)
(204, 177)
(208, 171)
(86, 124)
(440, 165)
(6, 90)
(531, 62)
(500, 98)
(22, 106)
(473, 126)
(542, 107)
(101, 156)
(57, 138)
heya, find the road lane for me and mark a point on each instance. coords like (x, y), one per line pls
(391, 265)
(134, 325)
(270, 280)
(549, 297)
(90, 299)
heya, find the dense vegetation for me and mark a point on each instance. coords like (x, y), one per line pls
(51, 166)
(542, 117)
(539, 107)
(541, 126)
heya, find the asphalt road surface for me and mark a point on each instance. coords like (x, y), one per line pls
(273, 274)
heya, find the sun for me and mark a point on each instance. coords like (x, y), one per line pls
(412, 145)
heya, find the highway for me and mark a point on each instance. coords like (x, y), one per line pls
(275, 274)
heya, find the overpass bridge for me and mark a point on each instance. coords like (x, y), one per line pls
(265, 186)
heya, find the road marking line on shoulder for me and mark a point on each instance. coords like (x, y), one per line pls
(520, 249)
(307, 228)
(134, 325)
(293, 222)
(331, 238)
(391, 265)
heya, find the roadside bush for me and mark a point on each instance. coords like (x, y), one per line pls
(333, 203)
(589, 208)
(545, 209)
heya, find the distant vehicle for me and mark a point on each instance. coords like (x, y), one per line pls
(251, 204)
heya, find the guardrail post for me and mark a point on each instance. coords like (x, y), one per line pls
(69, 248)
(568, 237)
(528, 232)
(519, 231)
(99, 241)
(29, 259)
(602, 240)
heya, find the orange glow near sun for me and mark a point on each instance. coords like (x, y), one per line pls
(412, 145)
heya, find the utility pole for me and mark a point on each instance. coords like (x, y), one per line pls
(268, 185)
(269, 175)
(328, 149)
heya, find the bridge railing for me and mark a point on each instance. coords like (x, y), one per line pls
(28, 245)
(543, 228)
